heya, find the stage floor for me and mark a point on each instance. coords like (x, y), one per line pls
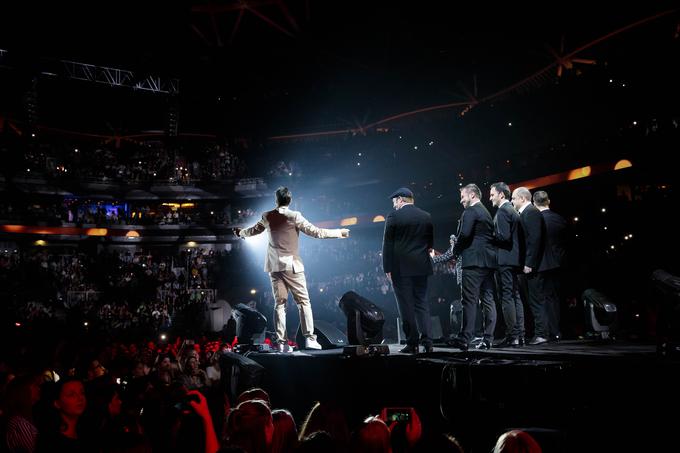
(568, 391)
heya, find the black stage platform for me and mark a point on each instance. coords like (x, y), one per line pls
(574, 395)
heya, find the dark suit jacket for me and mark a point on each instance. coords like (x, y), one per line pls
(534, 236)
(509, 236)
(555, 240)
(475, 238)
(406, 243)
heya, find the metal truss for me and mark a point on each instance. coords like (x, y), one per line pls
(119, 78)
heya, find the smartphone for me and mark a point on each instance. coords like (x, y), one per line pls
(397, 414)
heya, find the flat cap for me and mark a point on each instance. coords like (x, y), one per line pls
(402, 192)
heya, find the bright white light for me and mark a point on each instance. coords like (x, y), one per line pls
(164, 337)
(358, 164)
(605, 228)
(320, 290)
(32, 135)
(509, 124)
(85, 324)
(634, 123)
(604, 209)
(253, 291)
(575, 219)
(359, 154)
(612, 247)
(290, 174)
(415, 147)
(76, 150)
(611, 80)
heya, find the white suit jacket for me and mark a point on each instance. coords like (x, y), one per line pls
(283, 226)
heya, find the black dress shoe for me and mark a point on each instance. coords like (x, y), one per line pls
(554, 338)
(484, 344)
(409, 349)
(521, 341)
(538, 340)
(508, 342)
(428, 348)
(457, 343)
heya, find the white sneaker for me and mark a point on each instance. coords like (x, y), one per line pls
(311, 343)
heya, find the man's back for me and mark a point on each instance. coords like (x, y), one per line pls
(475, 238)
(555, 240)
(408, 238)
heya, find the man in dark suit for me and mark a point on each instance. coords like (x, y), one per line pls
(407, 241)
(510, 250)
(552, 262)
(474, 247)
(531, 282)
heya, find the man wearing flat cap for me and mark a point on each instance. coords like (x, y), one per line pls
(407, 241)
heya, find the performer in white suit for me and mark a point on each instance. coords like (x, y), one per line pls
(284, 265)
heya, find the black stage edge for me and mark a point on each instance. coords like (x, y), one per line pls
(573, 395)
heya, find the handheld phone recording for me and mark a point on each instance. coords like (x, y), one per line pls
(397, 414)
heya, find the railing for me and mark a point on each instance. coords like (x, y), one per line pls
(206, 296)
(74, 298)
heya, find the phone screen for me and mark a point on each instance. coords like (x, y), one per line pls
(398, 415)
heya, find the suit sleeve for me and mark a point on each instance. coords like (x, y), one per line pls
(502, 231)
(533, 231)
(256, 229)
(429, 233)
(467, 226)
(388, 244)
(310, 229)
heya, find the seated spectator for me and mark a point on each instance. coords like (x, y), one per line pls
(192, 376)
(250, 426)
(64, 430)
(285, 432)
(254, 393)
(516, 441)
(371, 437)
(22, 393)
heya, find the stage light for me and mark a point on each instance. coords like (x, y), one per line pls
(604, 209)
(191, 244)
(85, 324)
(40, 243)
(600, 313)
(575, 219)
(17, 324)
(164, 337)
(509, 124)
(131, 234)
(253, 291)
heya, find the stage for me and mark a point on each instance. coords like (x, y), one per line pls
(574, 395)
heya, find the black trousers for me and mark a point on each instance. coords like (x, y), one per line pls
(552, 291)
(531, 290)
(414, 311)
(511, 302)
(474, 278)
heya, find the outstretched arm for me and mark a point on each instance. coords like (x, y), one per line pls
(310, 229)
(258, 228)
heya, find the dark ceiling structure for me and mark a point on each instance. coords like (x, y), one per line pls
(277, 69)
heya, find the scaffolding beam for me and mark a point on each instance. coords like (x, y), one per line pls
(119, 78)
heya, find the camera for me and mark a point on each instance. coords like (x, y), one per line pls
(397, 414)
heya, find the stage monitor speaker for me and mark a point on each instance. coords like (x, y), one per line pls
(250, 324)
(600, 313)
(437, 332)
(239, 373)
(365, 319)
(328, 336)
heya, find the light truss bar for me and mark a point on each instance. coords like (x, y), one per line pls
(119, 78)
